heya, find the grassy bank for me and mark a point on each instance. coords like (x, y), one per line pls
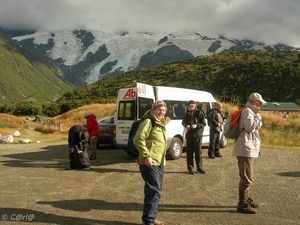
(277, 132)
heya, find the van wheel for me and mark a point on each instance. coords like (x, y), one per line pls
(175, 149)
(223, 142)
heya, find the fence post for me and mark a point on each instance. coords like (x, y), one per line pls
(60, 126)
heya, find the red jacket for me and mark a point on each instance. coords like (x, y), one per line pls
(92, 126)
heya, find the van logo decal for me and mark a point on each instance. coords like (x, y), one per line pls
(130, 94)
(141, 90)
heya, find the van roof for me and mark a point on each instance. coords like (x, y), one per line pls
(183, 94)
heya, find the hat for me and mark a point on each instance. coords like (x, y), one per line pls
(85, 114)
(257, 96)
(191, 102)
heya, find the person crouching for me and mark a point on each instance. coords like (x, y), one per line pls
(78, 142)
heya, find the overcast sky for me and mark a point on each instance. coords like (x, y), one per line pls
(269, 21)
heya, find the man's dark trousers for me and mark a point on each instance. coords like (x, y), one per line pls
(193, 144)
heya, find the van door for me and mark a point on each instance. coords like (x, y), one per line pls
(145, 98)
(130, 106)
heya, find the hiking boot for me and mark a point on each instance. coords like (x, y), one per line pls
(252, 203)
(92, 157)
(244, 207)
(191, 170)
(200, 171)
(211, 156)
(156, 222)
(218, 155)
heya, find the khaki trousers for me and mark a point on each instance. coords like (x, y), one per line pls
(93, 145)
(245, 165)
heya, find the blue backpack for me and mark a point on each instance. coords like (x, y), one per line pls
(131, 149)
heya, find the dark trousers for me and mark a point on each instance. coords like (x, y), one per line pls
(79, 161)
(214, 143)
(153, 177)
(193, 145)
(72, 160)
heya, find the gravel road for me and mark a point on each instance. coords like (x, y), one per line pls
(35, 189)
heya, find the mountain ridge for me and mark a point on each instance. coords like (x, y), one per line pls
(86, 56)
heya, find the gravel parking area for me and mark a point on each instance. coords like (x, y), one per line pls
(35, 188)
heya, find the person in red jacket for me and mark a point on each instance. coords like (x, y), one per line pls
(93, 129)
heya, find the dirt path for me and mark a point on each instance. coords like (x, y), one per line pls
(35, 187)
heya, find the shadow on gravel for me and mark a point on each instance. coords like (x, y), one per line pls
(25, 215)
(57, 156)
(92, 204)
(290, 174)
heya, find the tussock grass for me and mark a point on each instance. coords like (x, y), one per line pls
(62, 123)
(54, 129)
(277, 132)
(9, 123)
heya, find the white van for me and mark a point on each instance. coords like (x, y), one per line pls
(133, 102)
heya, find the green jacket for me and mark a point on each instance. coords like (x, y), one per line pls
(151, 142)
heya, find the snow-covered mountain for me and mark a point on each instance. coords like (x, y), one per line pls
(85, 56)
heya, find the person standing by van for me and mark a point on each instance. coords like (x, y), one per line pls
(151, 142)
(194, 122)
(215, 128)
(93, 129)
(246, 148)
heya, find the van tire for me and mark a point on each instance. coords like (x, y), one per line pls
(175, 149)
(223, 141)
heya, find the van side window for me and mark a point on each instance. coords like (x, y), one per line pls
(126, 110)
(204, 107)
(144, 104)
(176, 109)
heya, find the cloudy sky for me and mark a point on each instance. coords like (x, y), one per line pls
(269, 21)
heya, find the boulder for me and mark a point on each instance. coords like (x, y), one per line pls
(7, 139)
(16, 133)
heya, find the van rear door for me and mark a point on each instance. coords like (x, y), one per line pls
(130, 106)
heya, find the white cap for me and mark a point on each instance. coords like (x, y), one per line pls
(85, 114)
(257, 96)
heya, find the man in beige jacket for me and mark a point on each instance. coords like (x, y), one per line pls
(247, 147)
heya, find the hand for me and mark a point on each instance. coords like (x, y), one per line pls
(194, 126)
(79, 152)
(149, 161)
(188, 127)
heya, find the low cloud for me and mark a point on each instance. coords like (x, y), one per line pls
(269, 21)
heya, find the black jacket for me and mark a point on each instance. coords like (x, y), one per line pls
(197, 118)
(74, 139)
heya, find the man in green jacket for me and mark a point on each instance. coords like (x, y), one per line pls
(151, 143)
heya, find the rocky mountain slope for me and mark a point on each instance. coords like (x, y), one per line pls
(23, 76)
(85, 56)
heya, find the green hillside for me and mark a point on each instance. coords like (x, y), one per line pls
(23, 77)
(230, 77)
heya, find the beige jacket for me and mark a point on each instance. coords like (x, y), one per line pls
(248, 143)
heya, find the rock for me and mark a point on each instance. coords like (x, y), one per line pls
(7, 139)
(16, 133)
(24, 141)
